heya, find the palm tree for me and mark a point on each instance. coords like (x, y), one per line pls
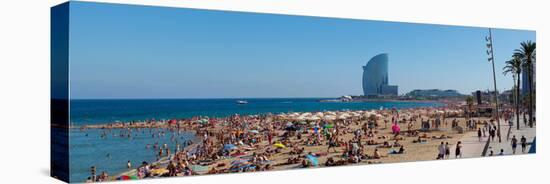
(527, 53)
(514, 66)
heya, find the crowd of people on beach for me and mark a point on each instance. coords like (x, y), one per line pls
(248, 143)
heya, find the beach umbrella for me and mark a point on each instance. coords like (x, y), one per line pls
(313, 118)
(123, 177)
(289, 124)
(199, 168)
(303, 123)
(395, 128)
(134, 177)
(312, 159)
(229, 147)
(159, 171)
(290, 128)
(254, 131)
(279, 145)
(342, 117)
(329, 125)
(202, 121)
(239, 162)
(329, 117)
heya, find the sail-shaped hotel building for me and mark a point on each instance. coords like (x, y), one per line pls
(375, 77)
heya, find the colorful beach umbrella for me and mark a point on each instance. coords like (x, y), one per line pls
(123, 177)
(312, 159)
(329, 125)
(229, 147)
(159, 171)
(279, 145)
(199, 168)
(395, 128)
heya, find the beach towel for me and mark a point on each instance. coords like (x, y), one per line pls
(312, 159)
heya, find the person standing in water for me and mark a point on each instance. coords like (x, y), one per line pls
(129, 164)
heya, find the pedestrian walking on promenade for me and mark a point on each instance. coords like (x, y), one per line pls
(514, 144)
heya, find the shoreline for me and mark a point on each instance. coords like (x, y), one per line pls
(158, 124)
(250, 137)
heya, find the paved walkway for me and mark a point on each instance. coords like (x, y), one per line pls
(506, 144)
(472, 147)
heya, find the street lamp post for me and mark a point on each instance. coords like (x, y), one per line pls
(492, 60)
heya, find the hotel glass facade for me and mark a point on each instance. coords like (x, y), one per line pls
(375, 77)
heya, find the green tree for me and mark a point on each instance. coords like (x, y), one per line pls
(527, 53)
(513, 66)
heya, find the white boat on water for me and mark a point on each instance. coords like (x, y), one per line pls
(242, 102)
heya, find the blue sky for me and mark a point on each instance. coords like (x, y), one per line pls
(122, 51)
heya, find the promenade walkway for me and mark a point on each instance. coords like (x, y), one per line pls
(506, 144)
(473, 147)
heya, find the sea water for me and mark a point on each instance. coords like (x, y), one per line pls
(107, 111)
(111, 152)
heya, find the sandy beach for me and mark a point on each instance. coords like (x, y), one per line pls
(304, 140)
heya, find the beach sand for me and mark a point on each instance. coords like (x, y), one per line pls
(427, 150)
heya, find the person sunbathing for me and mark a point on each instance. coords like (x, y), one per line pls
(419, 140)
(330, 162)
(396, 144)
(400, 151)
(376, 154)
(305, 163)
(385, 145)
(371, 142)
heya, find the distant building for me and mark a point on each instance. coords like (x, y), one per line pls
(489, 96)
(433, 93)
(375, 77)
